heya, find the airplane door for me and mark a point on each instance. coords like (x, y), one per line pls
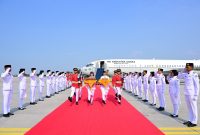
(102, 64)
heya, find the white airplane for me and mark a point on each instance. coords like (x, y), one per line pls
(137, 65)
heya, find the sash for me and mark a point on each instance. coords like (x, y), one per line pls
(104, 82)
(90, 82)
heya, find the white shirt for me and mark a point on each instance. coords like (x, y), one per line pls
(145, 79)
(191, 83)
(174, 85)
(152, 84)
(160, 81)
(7, 81)
(33, 80)
(48, 79)
(22, 81)
(42, 80)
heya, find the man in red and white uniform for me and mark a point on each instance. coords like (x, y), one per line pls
(118, 85)
(75, 86)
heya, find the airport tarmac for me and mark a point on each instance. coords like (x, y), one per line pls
(24, 120)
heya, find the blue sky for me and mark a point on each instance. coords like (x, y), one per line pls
(62, 34)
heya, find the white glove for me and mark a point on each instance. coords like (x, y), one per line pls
(34, 72)
(8, 70)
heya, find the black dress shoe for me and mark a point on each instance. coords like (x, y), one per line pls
(6, 115)
(76, 103)
(104, 102)
(153, 104)
(70, 99)
(21, 108)
(31, 103)
(191, 125)
(10, 113)
(88, 101)
(48, 96)
(41, 99)
(145, 100)
(56, 93)
(139, 98)
(186, 123)
(119, 102)
(136, 95)
(161, 109)
(174, 116)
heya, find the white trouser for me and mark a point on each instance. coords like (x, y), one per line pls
(53, 88)
(90, 93)
(57, 87)
(32, 96)
(133, 87)
(41, 91)
(126, 85)
(130, 86)
(146, 92)
(7, 95)
(153, 95)
(161, 96)
(104, 91)
(73, 90)
(119, 90)
(80, 92)
(192, 108)
(175, 102)
(140, 91)
(136, 88)
(48, 89)
(22, 95)
(115, 90)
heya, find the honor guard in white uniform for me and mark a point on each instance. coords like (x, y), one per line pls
(104, 89)
(22, 88)
(48, 83)
(41, 84)
(57, 82)
(152, 88)
(7, 90)
(33, 85)
(146, 86)
(140, 85)
(160, 87)
(174, 91)
(191, 92)
(135, 84)
(53, 80)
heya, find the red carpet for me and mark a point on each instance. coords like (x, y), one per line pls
(96, 119)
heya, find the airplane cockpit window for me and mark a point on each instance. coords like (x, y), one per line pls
(89, 65)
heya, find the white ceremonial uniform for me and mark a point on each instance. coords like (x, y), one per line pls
(41, 87)
(48, 83)
(174, 92)
(140, 86)
(146, 86)
(53, 86)
(136, 84)
(129, 83)
(22, 89)
(104, 90)
(7, 91)
(33, 85)
(126, 82)
(191, 92)
(57, 83)
(160, 87)
(133, 84)
(152, 89)
(60, 83)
